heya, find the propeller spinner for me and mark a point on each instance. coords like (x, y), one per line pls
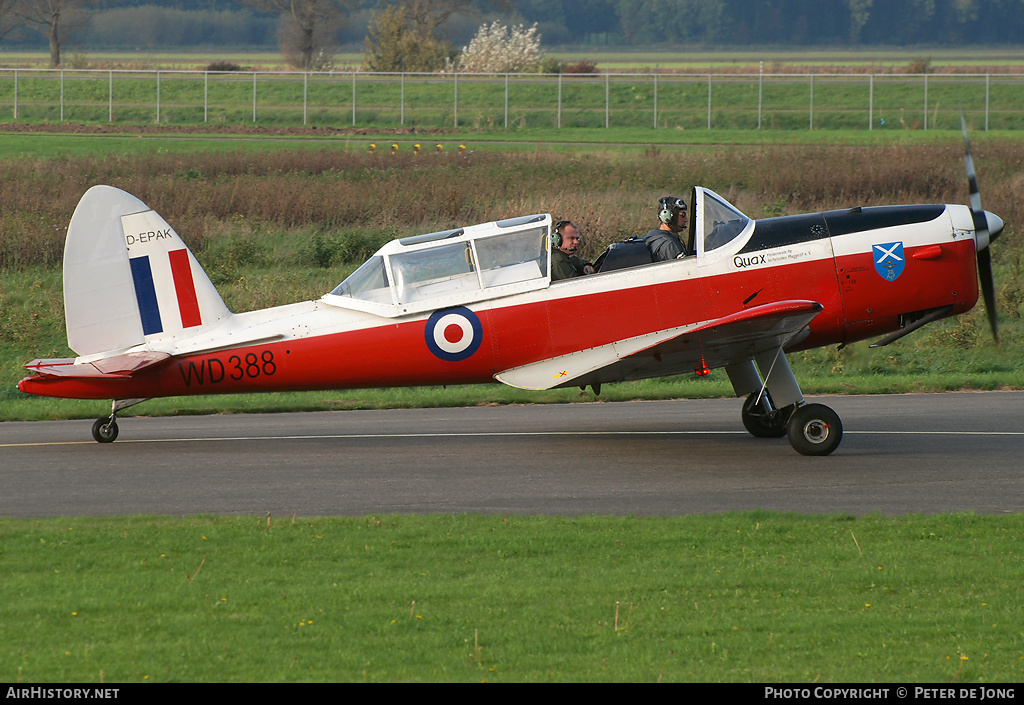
(987, 227)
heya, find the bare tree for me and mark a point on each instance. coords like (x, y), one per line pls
(8, 20)
(56, 19)
(308, 28)
(427, 15)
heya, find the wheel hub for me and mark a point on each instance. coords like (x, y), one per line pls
(816, 431)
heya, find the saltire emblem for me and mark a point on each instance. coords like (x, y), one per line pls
(149, 300)
(889, 260)
(453, 334)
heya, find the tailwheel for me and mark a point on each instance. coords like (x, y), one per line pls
(762, 419)
(104, 430)
(814, 429)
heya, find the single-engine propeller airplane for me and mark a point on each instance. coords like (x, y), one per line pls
(475, 304)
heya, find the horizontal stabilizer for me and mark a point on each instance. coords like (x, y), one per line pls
(706, 345)
(121, 366)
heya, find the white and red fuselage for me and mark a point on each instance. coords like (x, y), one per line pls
(868, 270)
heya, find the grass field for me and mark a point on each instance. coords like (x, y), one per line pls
(753, 597)
(698, 102)
(877, 89)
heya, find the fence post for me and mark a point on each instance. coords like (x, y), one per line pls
(871, 102)
(15, 94)
(157, 97)
(506, 101)
(110, 98)
(206, 96)
(305, 97)
(709, 101)
(62, 95)
(558, 121)
(811, 127)
(401, 102)
(760, 89)
(456, 103)
(655, 101)
(987, 76)
(254, 97)
(926, 101)
(607, 102)
(353, 97)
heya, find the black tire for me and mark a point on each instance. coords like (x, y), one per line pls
(815, 429)
(104, 430)
(762, 425)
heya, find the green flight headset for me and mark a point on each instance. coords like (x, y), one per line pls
(556, 232)
(668, 207)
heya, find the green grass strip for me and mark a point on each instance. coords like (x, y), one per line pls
(752, 597)
(646, 141)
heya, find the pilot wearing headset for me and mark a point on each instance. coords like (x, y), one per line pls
(565, 241)
(664, 242)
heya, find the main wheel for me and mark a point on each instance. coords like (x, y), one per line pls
(814, 429)
(104, 430)
(762, 424)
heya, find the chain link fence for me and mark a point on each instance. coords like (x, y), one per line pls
(768, 101)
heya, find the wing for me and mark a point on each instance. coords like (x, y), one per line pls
(707, 344)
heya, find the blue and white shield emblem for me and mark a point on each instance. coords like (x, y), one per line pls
(889, 260)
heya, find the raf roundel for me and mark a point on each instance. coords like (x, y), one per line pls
(453, 334)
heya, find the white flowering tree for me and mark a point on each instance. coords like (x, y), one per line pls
(500, 49)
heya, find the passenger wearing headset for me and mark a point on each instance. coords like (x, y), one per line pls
(664, 242)
(565, 240)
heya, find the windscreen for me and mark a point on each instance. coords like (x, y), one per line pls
(722, 223)
(369, 282)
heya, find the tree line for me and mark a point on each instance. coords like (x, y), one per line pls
(299, 26)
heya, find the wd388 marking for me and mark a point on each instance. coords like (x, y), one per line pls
(214, 370)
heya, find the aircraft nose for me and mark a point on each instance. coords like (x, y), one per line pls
(995, 226)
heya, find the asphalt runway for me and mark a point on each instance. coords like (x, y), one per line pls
(929, 453)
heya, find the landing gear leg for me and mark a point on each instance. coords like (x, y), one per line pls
(104, 429)
(762, 418)
(776, 407)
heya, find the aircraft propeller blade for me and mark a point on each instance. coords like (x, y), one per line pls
(988, 288)
(987, 227)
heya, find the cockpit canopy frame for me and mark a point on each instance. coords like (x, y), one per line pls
(451, 268)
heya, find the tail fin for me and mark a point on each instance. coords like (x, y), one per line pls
(128, 277)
